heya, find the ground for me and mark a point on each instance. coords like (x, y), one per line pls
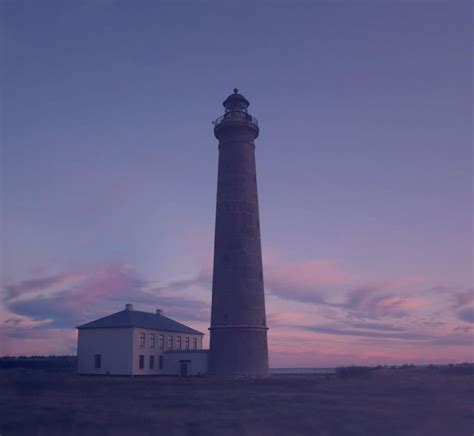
(388, 402)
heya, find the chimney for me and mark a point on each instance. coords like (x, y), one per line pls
(159, 311)
(129, 306)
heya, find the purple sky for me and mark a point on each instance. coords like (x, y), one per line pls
(109, 169)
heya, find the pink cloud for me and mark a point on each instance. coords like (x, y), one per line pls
(14, 320)
(75, 289)
(72, 298)
(297, 348)
(463, 298)
(307, 280)
(66, 300)
(340, 333)
(38, 342)
(43, 287)
(270, 257)
(324, 282)
(284, 318)
(396, 282)
(112, 280)
(384, 298)
(404, 303)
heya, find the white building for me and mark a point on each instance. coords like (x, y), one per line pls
(131, 342)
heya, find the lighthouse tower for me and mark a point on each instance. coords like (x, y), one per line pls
(238, 324)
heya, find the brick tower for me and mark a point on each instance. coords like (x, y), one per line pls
(238, 324)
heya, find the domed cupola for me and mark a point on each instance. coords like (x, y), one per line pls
(236, 102)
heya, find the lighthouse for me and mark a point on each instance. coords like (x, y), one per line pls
(238, 345)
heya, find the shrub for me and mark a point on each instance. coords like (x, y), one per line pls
(459, 369)
(355, 371)
(49, 363)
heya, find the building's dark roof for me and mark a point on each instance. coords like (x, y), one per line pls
(135, 318)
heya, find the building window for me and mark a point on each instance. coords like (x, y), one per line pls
(160, 362)
(187, 343)
(97, 361)
(195, 343)
(170, 342)
(152, 340)
(161, 341)
(142, 339)
(152, 362)
(141, 361)
(178, 343)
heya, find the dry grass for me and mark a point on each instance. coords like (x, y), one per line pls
(386, 402)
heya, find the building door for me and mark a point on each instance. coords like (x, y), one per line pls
(183, 369)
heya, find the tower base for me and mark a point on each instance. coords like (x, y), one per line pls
(239, 351)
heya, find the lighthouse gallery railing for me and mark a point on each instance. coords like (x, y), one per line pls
(238, 114)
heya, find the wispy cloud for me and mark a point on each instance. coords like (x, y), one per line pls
(44, 341)
(466, 314)
(42, 287)
(62, 301)
(307, 281)
(405, 335)
(376, 326)
(317, 311)
(375, 304)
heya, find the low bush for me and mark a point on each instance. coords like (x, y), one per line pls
(459, 369)
(355, 371)
(48, 363)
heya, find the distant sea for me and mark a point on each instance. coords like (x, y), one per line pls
(302, 370)
(333, 370)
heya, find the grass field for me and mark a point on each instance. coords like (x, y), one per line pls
(383, 402)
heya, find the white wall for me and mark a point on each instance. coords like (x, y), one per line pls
(120, 350)
(156, 351)
(113, 344)
(196, 366)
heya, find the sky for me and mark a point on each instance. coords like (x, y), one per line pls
(364, 163)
